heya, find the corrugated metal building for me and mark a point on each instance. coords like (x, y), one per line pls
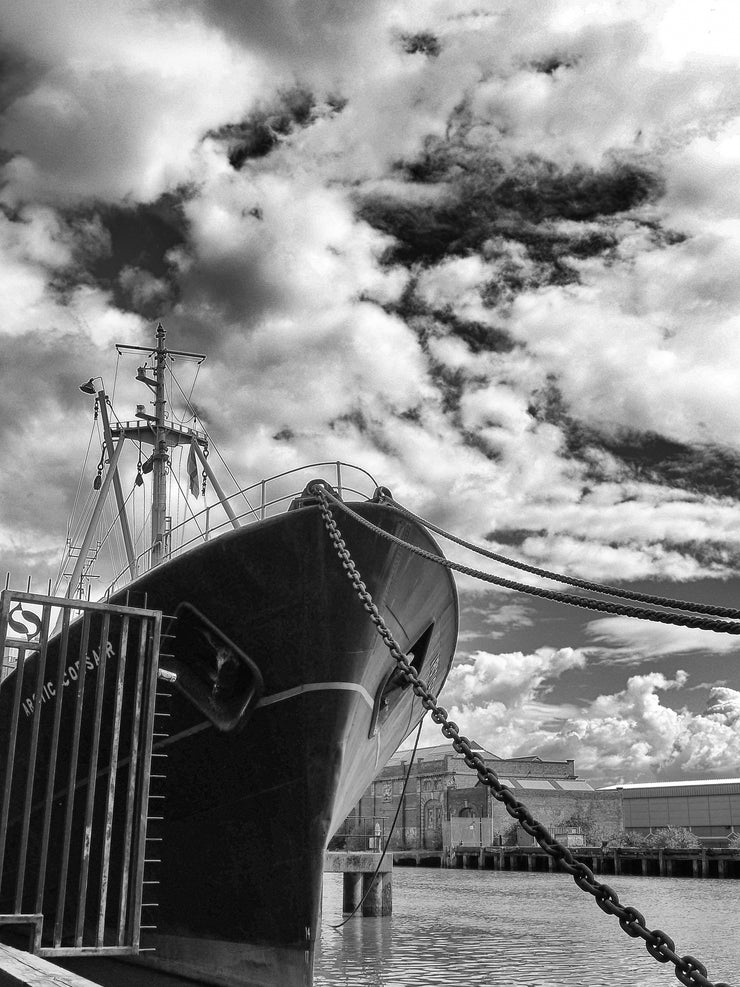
(709, 808)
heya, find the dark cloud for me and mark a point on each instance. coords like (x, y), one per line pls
(515, 537)
(706, 469)
(549, 64)
(709, 554)
(124, 251)
(422, 43)
(428, 321)
(18, 73)
(482, 197)
(266, 125)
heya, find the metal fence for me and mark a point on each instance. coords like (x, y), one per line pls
(360, 833)
(77, 709)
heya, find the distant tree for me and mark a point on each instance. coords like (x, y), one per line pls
(673, 838)
(625, 839)
(667, 838)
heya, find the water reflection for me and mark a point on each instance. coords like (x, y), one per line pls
(524, 930)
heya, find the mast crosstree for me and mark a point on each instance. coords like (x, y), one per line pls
(162, 434)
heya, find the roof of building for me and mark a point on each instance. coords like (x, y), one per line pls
(668, 786)
(547, 784)
(437, 752)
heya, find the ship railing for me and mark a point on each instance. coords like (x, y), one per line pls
(262, 500)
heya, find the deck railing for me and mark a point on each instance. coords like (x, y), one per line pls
(265, 498)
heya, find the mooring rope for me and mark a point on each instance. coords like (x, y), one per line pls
(624, 594)
(661, 947)
(570, 599)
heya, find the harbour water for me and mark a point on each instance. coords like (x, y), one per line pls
(521, 929)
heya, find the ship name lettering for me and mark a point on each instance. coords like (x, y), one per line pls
(71, 674)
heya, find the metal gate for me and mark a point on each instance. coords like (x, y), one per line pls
(77, 708)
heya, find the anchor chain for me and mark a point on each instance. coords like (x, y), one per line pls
(688, 970)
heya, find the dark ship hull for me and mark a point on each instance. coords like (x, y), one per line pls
(259, 774)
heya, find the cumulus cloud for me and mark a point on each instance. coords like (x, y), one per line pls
(489, 254)
(501, 701)
(631, 735)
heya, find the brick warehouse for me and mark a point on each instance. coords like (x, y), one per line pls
(442, 788)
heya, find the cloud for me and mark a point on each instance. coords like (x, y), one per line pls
(433, 248)
(629, 735)
(118, 100)
(627, 639)
(511, 679)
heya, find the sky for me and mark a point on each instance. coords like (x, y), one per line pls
(489, 252)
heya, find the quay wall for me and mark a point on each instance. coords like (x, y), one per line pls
(700, 862)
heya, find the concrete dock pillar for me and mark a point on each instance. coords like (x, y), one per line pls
(644, 863)
(351, 891)
(379, 890)
(358, 870)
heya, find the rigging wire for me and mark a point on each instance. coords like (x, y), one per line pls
(84, 517)
(212, 445)
(75, 502)
(194, 516)
(115, 375)
(390, 832)
(176, 512)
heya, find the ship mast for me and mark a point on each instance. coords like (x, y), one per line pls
(162, 434)
(160, 456)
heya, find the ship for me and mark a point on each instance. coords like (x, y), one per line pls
(284, 701)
